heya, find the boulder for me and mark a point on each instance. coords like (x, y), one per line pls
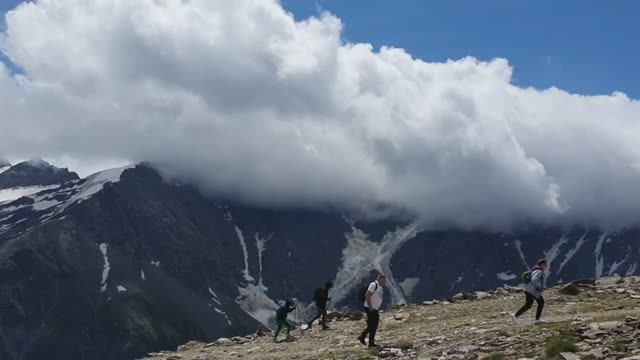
(570, 289)
(569, 356)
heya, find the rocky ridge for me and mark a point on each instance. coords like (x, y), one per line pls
(587, 319)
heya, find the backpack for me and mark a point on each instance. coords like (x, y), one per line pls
(526, 277)
(362, 292)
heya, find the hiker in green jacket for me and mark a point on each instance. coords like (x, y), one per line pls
(281, 319)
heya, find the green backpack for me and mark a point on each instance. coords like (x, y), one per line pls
(526, 277)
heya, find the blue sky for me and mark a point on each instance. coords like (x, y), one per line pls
(583, 46)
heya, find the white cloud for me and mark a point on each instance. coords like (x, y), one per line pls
(239, 97)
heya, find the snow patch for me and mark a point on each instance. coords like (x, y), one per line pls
(142, 275)
(4, 168)
(362, 256)
(614, 267)
(215, 297)
(599, 257)
(506, 276)
(245, 254)
(155, 263)
(105, 268)
(7, 195)
(458, 280)
(572, 252)
(121, 288)
(518, 244)
(223, 314)
(408, 285)
(261, 245)
(632, 269)
(254, 301)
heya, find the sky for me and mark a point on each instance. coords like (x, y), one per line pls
(472, 116)
(580, 46)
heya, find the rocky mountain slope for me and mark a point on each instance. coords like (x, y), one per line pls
(123, 263)
(33, 173)
(586, 321)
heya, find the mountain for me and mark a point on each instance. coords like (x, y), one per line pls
(601, 321)
(123, 263)
(33, 173)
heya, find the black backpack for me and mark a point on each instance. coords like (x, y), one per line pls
(362, 292)
(526, 277)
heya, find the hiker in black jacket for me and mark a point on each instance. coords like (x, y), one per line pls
(321, 298)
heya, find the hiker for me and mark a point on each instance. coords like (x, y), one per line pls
(281, 319)
(321, 298)
(533, 287)
(373, 299)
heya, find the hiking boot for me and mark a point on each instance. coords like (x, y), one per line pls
(361, 339)
(309, 325)
(540, 321)
(325, 327)
(514, 318)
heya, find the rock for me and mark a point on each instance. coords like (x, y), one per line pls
(223, 341)
(399, 316)
(188, 346)
(482, 295)
(570, 289)
(458, 296)
(569, 356)
(584, 282)
(621, 290)
(502, 291)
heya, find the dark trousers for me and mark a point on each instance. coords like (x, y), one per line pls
(322, 313)
(529, 302)
(373, 319)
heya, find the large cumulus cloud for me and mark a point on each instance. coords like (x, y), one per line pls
(244, 100)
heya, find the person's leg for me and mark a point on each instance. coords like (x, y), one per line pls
(324, 317)
(289, 327)
(528, 303)
(373, 327)
(366, 330)
(280, 324)
(317, 316)
(540, 301)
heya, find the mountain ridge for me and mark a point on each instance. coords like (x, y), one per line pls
(129, 263)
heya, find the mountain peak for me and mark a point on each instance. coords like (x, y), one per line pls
(34, 172)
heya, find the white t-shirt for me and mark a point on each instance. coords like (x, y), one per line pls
(377, 293)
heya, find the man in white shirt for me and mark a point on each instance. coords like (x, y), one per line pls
(374, 296)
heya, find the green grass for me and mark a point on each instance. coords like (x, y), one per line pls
(405, 344)
(620, 347)
(560, 344)
(365, 356)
